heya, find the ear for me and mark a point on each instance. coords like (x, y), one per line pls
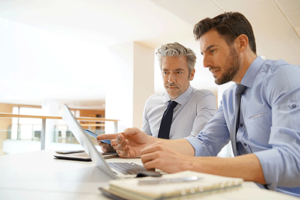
(192, 75)
(242, 43)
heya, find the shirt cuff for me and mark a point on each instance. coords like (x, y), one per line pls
(269, 161)
(195, 144)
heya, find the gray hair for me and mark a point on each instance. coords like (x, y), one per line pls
(176, 50)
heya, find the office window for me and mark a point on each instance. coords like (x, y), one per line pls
(26, 128)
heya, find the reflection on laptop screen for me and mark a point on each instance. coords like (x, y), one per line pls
(91, 150)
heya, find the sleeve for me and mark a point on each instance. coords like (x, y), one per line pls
(146, 125)
(206, 108)
(213, 137)
(281, 163)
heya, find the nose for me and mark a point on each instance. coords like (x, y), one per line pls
(206, 61)
(171, 78)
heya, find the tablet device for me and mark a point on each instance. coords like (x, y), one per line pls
(83, 156)
(94, 135)
(80, 154)
(69, 151)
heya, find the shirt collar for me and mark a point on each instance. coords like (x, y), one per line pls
(182, 98)
(250, 74)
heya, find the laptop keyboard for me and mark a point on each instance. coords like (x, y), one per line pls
(126, 167)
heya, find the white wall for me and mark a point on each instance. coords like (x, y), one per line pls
(119, 87)
(41, 67)
(143, 83)
(130, 83)
(37, 65)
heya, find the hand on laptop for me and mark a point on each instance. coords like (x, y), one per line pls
(159, 156)
(130, 142)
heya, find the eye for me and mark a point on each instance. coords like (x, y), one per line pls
(179, 72)
(164, 72)
(212, 50)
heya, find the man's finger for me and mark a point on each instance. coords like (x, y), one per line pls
(153, 164)
(107, 136)
(130, 132)
(113, 143)
(149, 157)
(152, 148)
(121, 154)
(126, 151)
(120, 139)
(122, 145)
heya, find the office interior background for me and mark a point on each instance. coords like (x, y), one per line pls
(98, 57)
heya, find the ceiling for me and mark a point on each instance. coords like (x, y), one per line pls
(98, 21)
(276, 25)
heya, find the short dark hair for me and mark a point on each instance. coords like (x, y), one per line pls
(229, 25)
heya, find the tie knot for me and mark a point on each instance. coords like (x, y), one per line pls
(172, 105)
(240, 89)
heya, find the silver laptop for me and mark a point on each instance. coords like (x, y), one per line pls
(94, 154)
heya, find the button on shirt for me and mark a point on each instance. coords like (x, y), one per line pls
(195, 108)
(270, 116)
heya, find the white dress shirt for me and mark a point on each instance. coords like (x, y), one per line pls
(194, 110)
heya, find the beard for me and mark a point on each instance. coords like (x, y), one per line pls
(176, 94)
(232, 66)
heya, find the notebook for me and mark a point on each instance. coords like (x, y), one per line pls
(183, 184)
(91, 150)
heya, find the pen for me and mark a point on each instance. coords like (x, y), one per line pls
(168, 180)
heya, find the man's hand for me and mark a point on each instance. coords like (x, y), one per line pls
(161, 157)
(130, 142)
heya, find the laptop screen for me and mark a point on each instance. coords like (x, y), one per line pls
(86, 142)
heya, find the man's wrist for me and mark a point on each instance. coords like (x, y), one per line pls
(152, 140)
(189, 164)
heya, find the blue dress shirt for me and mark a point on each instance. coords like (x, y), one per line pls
(269, 123)
(195, 108)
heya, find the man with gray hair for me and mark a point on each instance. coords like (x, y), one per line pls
(181, 110)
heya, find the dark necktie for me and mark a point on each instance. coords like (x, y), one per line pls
(166, 121)
(238, 95)
(239, 92)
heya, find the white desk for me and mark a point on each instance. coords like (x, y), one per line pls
(37, 175)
